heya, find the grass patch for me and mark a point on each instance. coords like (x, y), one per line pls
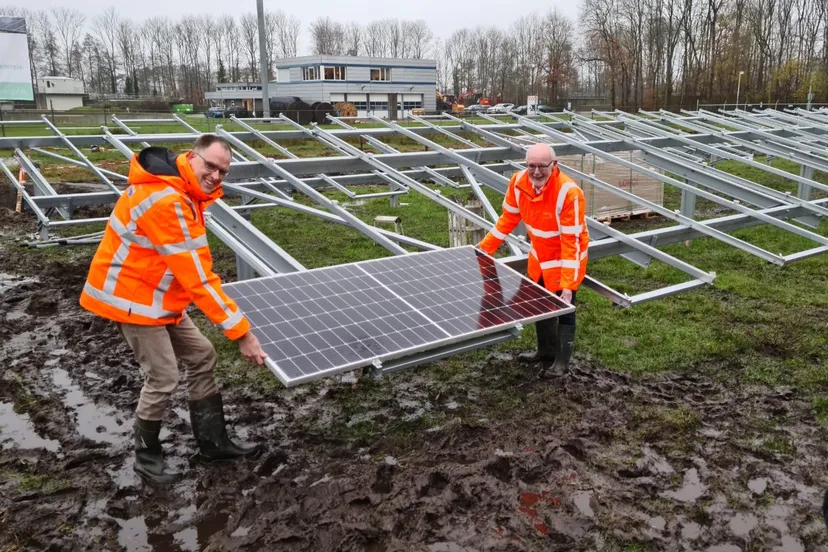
(820, 406)
(782, 445)
(24, 482)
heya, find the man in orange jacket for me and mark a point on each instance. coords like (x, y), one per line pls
(153, 262)
(552, 208)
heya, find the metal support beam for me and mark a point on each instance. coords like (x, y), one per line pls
(76, 162)
(331, 182)
(758, 251)
(356, 223)
(323, 215)
(89, 164)
(246, 241)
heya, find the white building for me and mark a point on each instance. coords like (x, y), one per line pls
(373, 85)
(60, 93)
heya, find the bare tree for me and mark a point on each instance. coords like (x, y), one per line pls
(376, 39)
(328, 37)
(250, 42)
(68, 22)
(106, 28)
(418, 38)
(353, 39)
(289, 29)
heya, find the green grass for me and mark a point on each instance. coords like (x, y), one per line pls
(758, 323)
(763, 323)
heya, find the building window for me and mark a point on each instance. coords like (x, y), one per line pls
(381, 74)
(412, 105)
(310, 73)
(361, 106)
(379, 106)
(335, 73)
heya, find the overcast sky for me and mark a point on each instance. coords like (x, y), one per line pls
(443, 17)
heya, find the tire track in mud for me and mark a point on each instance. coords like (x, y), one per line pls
(678, 462)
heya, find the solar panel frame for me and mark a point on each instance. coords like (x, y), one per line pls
(359, 292)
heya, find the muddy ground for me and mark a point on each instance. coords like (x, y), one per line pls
(474, 455)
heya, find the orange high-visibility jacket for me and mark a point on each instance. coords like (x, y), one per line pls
(555, 223)
(154, 259)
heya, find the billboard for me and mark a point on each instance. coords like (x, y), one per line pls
(15, 75)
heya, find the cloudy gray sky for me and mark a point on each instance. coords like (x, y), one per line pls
(443, 17)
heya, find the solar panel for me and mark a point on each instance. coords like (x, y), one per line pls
(328, 320)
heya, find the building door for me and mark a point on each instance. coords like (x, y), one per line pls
(392, 107)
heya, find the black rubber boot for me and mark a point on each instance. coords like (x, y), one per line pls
(149, 457)
(565, 343)
(546, 331)
(207, 418)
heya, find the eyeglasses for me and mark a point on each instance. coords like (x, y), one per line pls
(533, 168)
(212, 168)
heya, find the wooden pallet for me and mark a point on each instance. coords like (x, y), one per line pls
(629, 215)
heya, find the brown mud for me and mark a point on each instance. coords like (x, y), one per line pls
(598, 461)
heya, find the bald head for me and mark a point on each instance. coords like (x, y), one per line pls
(539, 164)
(540, 154)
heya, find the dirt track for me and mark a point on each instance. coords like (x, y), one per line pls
(597, 461)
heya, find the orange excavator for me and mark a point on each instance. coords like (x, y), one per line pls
(447, 102)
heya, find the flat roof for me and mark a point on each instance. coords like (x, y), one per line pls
(355, 61)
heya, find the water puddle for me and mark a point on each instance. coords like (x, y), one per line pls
(742, 524)
(692, 488)
(133, 534)
(790, 544)
(17, 431)
(758, 486)
(581, 501)
(777, 517)
(193, 539)
(11, 281)
(240, 532)
(653, 462)
(690, 530)
(136, 535)
(97, 423)
(658, 523)
(124, 476)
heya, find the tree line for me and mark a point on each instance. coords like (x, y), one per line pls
(625, 53)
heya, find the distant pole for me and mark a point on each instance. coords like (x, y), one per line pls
(263, 60)
(738, 86)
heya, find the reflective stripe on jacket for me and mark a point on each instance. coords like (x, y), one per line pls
(153, 260)
(556, 226)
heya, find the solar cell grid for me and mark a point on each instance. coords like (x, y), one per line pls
(328, 320)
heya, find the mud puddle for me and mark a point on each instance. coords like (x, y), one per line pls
(423, 460)
(98, 423)
(17, 431)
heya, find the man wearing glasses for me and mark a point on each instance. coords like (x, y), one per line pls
(153, 261)
(552, 208)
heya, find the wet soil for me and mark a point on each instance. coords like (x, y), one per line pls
(596, 461)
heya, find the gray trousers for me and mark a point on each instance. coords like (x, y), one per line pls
(157, 350)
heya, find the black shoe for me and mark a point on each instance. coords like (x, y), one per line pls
(545, 330)
(564, 342)
(207, 418)
(149, 457)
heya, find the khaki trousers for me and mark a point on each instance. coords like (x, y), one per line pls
(157, 349)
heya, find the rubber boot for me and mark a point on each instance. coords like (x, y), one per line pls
(149, 457)
(565, 343)
(210, 431)
(546, 333)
